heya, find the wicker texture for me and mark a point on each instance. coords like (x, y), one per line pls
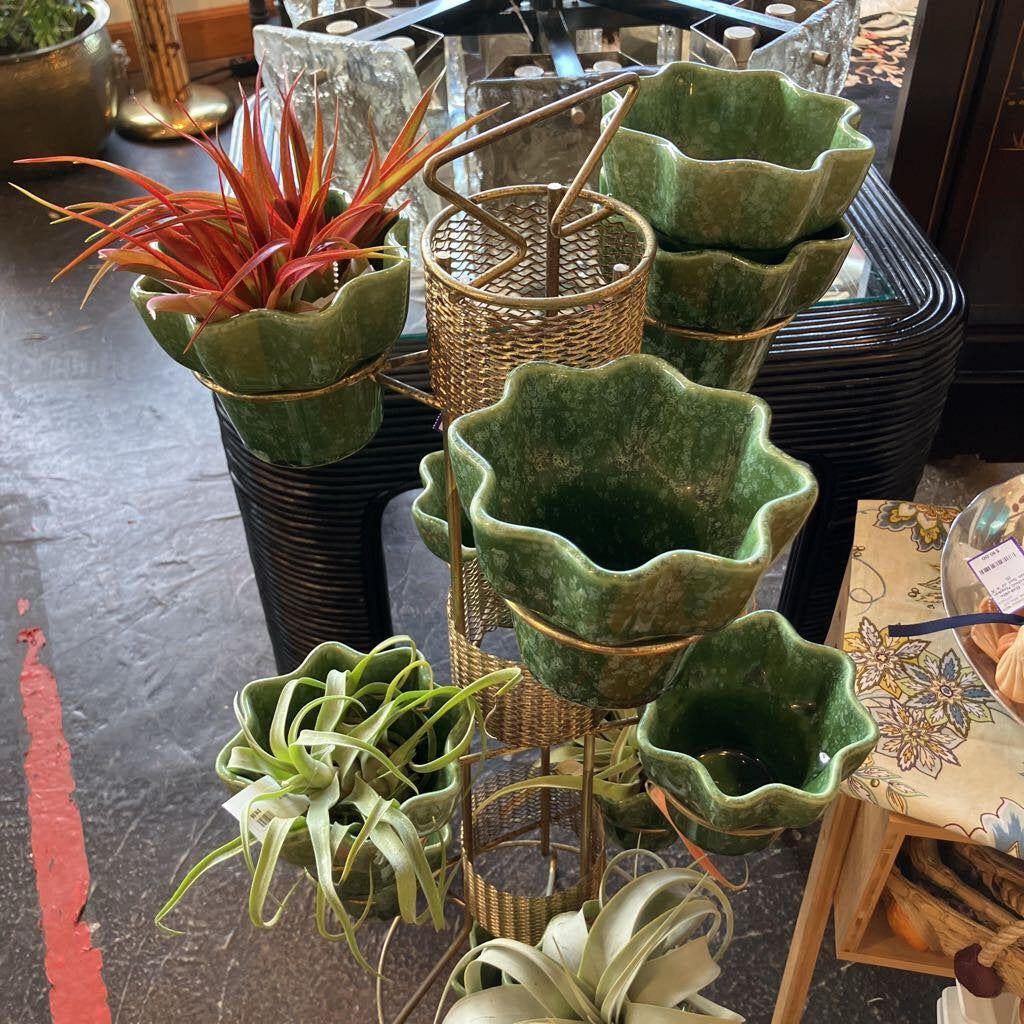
(946, 927)
(474, 344)
(528, 714)
(512, 915)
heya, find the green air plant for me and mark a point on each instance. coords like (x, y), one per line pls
(358, 756)
(631, 820)
(27, 25)
(639, 957)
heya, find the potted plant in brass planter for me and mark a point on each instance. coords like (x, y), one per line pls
(621, 505)
(350, 764)
(57, 80)
(283, 296)
(758, 731)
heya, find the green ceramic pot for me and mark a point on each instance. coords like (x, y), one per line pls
(269, 350)
(736, 159)
(430, 511)
(430, 810)
(734, 292)
(623, 503)
(726, 362)
(757, 732)
(634, 821)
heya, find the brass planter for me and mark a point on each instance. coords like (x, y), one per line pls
(58, 100)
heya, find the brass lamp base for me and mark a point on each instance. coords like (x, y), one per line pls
(139, 116)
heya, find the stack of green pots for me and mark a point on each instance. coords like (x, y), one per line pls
(745, 178)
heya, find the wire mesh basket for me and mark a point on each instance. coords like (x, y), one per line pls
(508, 822)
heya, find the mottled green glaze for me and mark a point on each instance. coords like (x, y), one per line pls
(732, 292)
(733, 365)
(757, 688)
(430, 511)
(598, 680)
(740, 159)
(634, 821)
(270, 350)
(430, 810)
(625, 502)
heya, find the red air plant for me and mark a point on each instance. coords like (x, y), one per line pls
(262, 241)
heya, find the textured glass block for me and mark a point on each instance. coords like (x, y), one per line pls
(815, 53)
(360, 78)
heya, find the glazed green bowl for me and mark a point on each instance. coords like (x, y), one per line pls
(623, 503)
(633, 821)
(735, 292)
(430, 810)
(430, 511)
(270, 350)
(735, 159)
(756, 734)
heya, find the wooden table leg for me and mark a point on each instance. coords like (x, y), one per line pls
(814, 910)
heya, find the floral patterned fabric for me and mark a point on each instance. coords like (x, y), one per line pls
(947, 752)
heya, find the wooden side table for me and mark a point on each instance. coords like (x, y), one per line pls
(892, 576)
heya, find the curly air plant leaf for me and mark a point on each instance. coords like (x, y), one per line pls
(640, 957)
(617, 770)
(257, 242)
(351, 755)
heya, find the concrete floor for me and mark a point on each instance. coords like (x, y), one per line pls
(119, 528)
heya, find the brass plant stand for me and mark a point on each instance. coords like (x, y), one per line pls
(514, 275)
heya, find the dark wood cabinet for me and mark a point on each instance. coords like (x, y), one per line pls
(959, 168)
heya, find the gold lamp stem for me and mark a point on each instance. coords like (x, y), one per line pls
(170, 100)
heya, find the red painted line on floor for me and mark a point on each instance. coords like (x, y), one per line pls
(73, 967)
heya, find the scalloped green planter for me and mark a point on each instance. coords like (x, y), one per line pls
(735, 292)
(430, 811)
(634, 821)
(757, 732)
(623, 503)
(735, 159)
(430, 511)
(269, 350)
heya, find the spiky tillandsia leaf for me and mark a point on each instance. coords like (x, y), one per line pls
(353, 752)
(256, 243)
(629, 960)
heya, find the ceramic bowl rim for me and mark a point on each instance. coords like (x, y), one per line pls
(449, 774)
(725, 803)
(761, 556)
(427, 492)
(846, 110)
(796, 252)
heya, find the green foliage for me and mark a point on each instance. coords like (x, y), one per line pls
(27, 25)
(639, 957)
(352, 752)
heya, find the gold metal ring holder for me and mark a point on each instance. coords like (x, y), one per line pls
(641, 649)
(685, 332)
(371, 369)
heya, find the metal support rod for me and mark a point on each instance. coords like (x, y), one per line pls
(434, 973)
(545, 803)
(586, 800)
(554, 245)
(560, 46)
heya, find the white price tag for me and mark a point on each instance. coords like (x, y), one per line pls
(1001, 572)
(263, 812)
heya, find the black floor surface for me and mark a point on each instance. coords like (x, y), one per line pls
(119, 526)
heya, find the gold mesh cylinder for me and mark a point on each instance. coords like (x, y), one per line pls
(528, 714)
(478, 336)
(506, 913)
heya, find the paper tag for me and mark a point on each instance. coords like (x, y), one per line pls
(1000, 570)
(263, 812)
